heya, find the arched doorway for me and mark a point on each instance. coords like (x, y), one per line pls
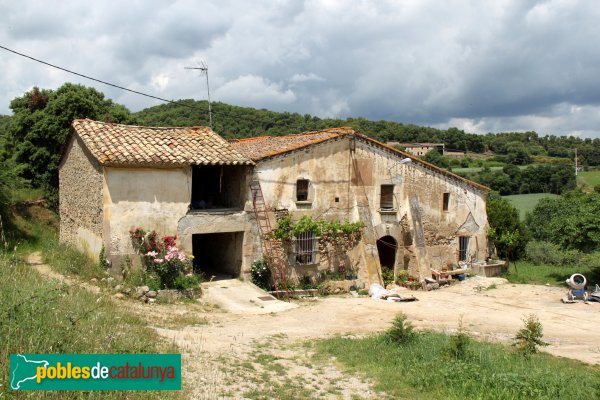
(386, 247)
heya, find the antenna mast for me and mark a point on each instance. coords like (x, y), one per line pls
(204, 70)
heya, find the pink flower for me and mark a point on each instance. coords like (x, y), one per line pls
(152, 254)
(158, 260)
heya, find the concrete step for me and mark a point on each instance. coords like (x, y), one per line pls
(240, 297)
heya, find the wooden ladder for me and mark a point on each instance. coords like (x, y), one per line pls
(270, 245)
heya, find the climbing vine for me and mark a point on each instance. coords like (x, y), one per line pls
(342, 236)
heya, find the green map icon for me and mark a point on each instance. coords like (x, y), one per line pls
(23, 370)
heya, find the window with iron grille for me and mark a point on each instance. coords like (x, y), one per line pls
(302, 190)
(306, 248)
(463, 248)
(386, 200)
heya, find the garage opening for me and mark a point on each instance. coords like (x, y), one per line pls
(218, 255)
(386, 247)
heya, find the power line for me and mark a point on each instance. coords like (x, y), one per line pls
(87, 77)
(178, 102)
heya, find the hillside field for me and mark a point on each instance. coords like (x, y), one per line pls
(590, 178)
(526, 202)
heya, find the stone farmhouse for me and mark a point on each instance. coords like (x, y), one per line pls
(192, 182)
(420, 149)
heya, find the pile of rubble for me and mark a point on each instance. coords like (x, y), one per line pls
(144, 294)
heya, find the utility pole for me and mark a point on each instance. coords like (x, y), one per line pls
(576, 161)
(204, 70)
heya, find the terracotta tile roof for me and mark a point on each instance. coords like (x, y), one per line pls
(129, 145)
(260, 147)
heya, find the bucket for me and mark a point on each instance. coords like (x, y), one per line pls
(461, 277)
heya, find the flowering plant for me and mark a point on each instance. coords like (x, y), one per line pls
(161, 256)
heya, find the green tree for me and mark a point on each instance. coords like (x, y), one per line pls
(435, 158)
(40, 125)
(571, 221)
(507, 231)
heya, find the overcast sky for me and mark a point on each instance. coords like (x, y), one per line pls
(481, 66)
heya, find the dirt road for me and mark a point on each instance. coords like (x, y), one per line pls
(229, 355)
(491, 308)
(573, 330)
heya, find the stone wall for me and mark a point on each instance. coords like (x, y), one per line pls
(80, 199)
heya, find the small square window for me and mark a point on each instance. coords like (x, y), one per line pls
(302, 190)
(386, 201)
(446, 201)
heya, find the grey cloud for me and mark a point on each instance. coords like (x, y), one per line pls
(515, 65)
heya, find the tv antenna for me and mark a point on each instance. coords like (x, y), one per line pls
(203, 68)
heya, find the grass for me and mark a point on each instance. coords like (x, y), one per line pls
(526, 272)
(41, 316)
(526, 202)
(589, 178)
(424, 369)
(38, 315)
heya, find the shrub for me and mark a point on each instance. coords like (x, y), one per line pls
(459, 342)
(402, 331)
(260, 274)
(151, 280)
(539, 252)
(529, 338)
(403, 276)
(160, 256)
(189, 281)
(387, 274)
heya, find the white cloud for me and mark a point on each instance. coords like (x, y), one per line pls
(300, 78)
(252, 89)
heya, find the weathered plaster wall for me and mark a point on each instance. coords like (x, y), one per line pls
(143, 197)
(327, 167)
(427, 235)
(80, 199)
(159, 199)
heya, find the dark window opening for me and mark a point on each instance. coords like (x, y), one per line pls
(218, 255)
(217, 186)
(446, 201)
(337, 199)
(463, 248)
(306, 248)
(302, 190)
(386, 201)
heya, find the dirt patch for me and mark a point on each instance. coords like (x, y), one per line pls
(230, 355)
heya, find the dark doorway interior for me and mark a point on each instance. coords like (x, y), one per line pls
(217, 186)
(386, 247)
(218, 254)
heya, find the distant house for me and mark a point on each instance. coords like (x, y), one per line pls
(190, 181)
(419, 149)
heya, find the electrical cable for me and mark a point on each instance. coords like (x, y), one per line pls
(89, 77)
(178, 102)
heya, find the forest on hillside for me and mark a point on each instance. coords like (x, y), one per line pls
(235, 122)
(32, 138)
